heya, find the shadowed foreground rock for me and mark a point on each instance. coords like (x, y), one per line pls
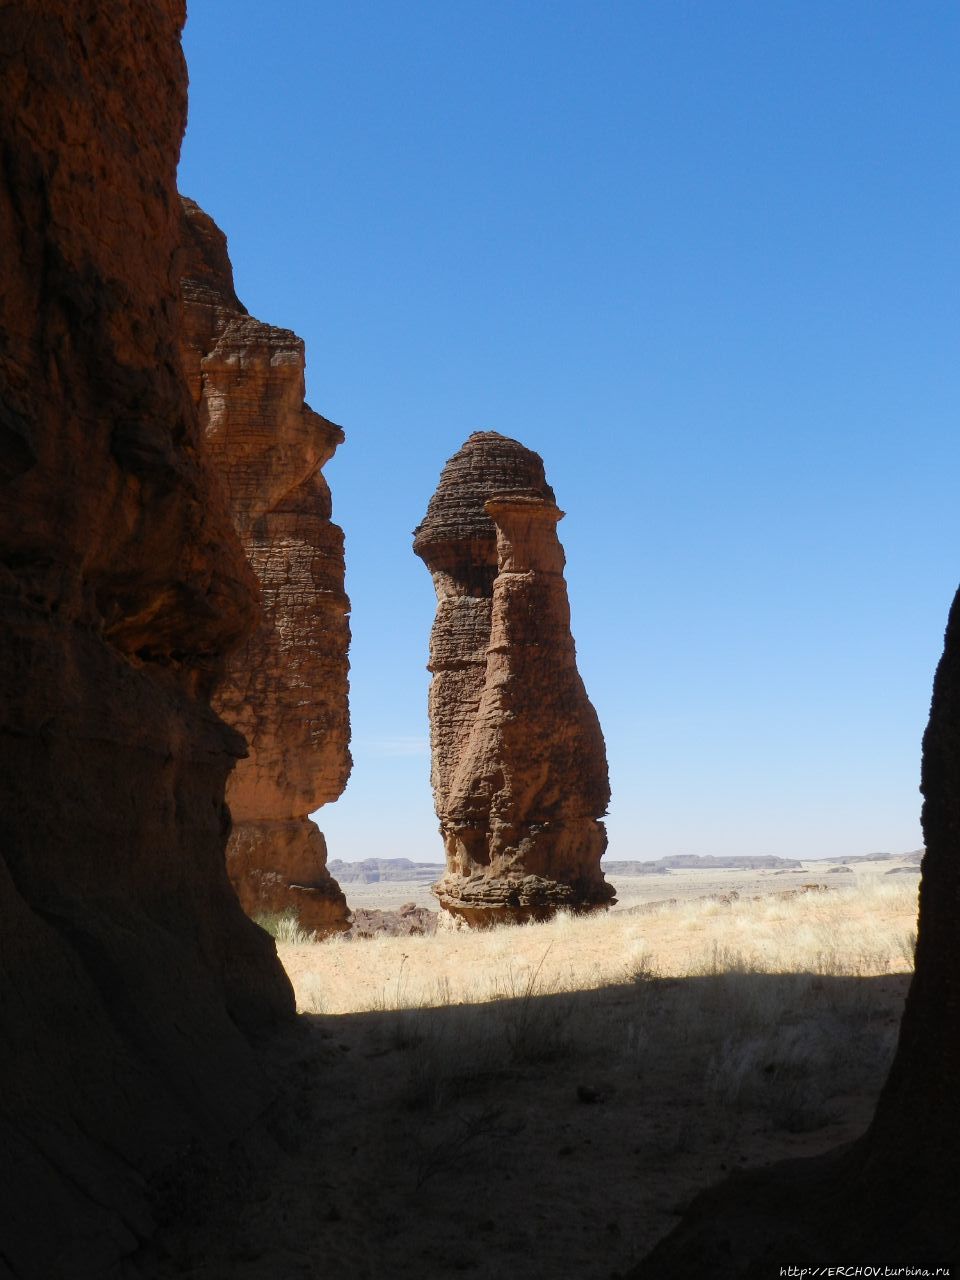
(132, 986)
(891, 1198)
(285, 688)
(519, 768)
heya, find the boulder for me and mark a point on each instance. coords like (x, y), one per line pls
(285, 687)
(519, 767)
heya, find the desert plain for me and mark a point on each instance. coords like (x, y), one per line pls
(545, 1100)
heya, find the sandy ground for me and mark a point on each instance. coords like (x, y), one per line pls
(523, 1129)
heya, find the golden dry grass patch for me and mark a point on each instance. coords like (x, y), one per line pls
(865, 929)
(541, 1101)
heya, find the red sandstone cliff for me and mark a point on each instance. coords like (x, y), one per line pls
(285, 688)
(519, 764)
(131, 983)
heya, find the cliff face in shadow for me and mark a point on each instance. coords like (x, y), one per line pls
(519, 764)
(915, 1137)
(131, 983)
(889, 1199)
(285, 688)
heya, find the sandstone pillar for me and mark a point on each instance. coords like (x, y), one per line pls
(285, 689)
(519, 766)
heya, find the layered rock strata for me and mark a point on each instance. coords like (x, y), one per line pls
(519, 767)
(132, 986)
(888, 1200)
(285, 688)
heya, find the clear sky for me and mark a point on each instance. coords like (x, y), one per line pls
(703, 257)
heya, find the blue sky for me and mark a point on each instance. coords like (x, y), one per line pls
(704, 259)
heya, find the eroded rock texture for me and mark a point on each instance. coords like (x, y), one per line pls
(890, 1199)
(285, 688)
(519, 767)
(131, 984)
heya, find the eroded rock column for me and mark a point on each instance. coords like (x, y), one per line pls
(519, 766)
(286, 688)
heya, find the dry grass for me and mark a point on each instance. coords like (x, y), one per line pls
(543, 1101)
(285, 928)
(857, 931)
(775, 1015)
(774, 1021)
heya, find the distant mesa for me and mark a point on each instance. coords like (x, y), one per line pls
(700, 862)
(398, 870)
(751, 862)
(914, 856)
(384, 870)
(519, 766)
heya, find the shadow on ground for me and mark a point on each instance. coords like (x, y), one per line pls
(544, 1137)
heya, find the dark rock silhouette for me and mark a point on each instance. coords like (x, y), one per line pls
(285, 687)
(889, 1199)
(519, 767)
(132, 986)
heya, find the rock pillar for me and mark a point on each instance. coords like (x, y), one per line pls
(519, 765)
(285, 688)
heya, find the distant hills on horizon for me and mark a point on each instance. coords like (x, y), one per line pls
(914, 855)
(700, 862)
(740, 862)
(376, 870)
(385, 870)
